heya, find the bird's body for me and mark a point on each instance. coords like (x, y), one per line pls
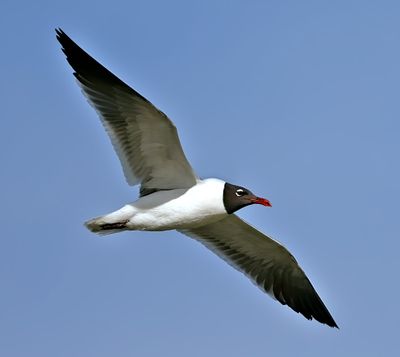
(172, 196)
(168, 209)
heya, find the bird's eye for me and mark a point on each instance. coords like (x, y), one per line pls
(240, 192)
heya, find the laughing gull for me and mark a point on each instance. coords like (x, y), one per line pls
(172, 196)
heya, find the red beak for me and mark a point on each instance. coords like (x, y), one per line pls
(261, 201)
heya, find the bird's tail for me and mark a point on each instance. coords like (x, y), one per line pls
(99, 226)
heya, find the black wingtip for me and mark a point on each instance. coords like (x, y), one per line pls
(59, 33)
(331, 323)
(85, 66)
(325, 319)
(65, 41)
(87, 70)
(321, 314)
(334, 325)
(324, 316)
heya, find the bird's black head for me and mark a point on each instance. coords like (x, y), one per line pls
(237, 197)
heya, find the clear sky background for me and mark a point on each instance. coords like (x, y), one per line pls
(297, 100)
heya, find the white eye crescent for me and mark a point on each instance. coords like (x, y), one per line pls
(239, 192)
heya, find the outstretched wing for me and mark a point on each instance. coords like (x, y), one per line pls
(145, 140)
(266, 262)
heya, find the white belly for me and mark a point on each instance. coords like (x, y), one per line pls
(177, 209)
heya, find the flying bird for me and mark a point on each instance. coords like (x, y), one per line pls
(173, 197)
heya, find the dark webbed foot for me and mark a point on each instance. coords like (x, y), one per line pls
(117, 225)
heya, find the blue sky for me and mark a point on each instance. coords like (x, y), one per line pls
(308, 92)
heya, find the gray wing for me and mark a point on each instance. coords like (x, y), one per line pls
(266, 262)
(145, 140)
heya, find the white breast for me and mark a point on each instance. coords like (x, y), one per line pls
(177, 209)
